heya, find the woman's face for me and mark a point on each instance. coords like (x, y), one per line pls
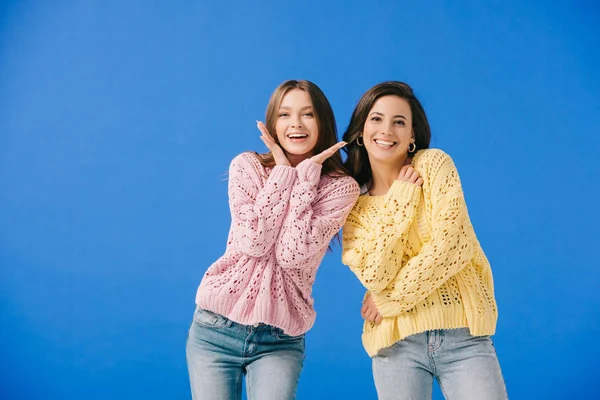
(296, 125)
(388, 130)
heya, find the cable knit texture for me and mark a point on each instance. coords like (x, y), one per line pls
(416, 252)
(283, 220)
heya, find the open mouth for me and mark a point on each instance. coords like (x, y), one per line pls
(297, 136)
(385, 144)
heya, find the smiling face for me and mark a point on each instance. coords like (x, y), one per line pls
(387, 132)
(296, 125)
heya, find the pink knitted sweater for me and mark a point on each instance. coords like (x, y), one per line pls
(282, 221)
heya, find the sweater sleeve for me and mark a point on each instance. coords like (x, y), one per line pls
(257, 210)
(314, 216)
(450, 249)
(376, 232)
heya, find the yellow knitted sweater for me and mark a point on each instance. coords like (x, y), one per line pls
(416, 252)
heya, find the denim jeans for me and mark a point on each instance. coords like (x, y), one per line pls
(219, 352)
(465, 366)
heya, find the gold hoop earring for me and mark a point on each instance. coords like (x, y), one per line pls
(361, 143)
(414, 147)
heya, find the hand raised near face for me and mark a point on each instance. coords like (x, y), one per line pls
(409, 174)
(274, 148)
(325, 154)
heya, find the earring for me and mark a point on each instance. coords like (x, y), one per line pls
(413, 148)
(361, 143)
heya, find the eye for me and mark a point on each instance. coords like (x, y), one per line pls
(309, 114)
(400, 122)
(376, 119)
(283, 114)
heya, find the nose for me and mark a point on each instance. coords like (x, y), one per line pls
(387, 129)
(296, 122)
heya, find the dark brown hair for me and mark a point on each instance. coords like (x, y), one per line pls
(357, 163)
(325, 122)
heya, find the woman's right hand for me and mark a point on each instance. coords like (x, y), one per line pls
(274, 148)
(409, 174)
(369, 310)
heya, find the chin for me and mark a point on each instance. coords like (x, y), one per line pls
(296, 151)
(386, 158)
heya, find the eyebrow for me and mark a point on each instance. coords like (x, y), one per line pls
(287, 107)
(395, 116)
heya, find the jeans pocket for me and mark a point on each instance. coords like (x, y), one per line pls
(281, 336)
(209, 319)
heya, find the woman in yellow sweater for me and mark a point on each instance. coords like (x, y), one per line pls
(429, 309)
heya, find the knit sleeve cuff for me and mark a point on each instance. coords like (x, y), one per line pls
(309, 171)
(404, 190)
(386, 307)
(283, 175)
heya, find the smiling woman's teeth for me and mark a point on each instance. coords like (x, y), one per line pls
(384, 143)
(297, 136)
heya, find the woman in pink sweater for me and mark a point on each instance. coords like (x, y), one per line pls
(254, 303)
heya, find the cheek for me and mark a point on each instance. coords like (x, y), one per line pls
(280, 130)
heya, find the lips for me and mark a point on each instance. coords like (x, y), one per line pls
(385, 143)
(297, 135)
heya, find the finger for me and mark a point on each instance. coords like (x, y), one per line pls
(364, 308)
(324, 155)
(414, 176)
(378, 318)
(372, 315)
(337, 146)
(419, 182)
(403, 172)
(262, 128)
(269, 139)
(265, 141)
(367, 297)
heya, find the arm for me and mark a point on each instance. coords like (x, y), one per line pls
(310, 224)
(257, 211)
(375, 235)
(450, 249)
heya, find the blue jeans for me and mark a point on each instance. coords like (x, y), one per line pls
(219, 352)
(465, 366)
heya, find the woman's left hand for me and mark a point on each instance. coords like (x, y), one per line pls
(369, 311)
(325, 154)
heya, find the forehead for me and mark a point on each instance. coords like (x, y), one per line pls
(296, 98)
(392, 105)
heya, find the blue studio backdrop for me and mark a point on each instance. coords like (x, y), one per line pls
(118, 120)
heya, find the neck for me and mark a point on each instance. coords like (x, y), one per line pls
(296, 159)
(383, 175)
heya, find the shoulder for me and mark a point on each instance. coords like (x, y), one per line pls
(431, 162)
(431, 156)
(246, 166)
(245, 158)
(246, 162)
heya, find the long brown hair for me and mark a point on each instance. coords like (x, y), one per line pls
(357, 163)
(325, 122)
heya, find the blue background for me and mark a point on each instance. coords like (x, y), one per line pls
(118, 120)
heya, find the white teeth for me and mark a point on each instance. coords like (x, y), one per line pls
(384, 142)
(297, 136)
